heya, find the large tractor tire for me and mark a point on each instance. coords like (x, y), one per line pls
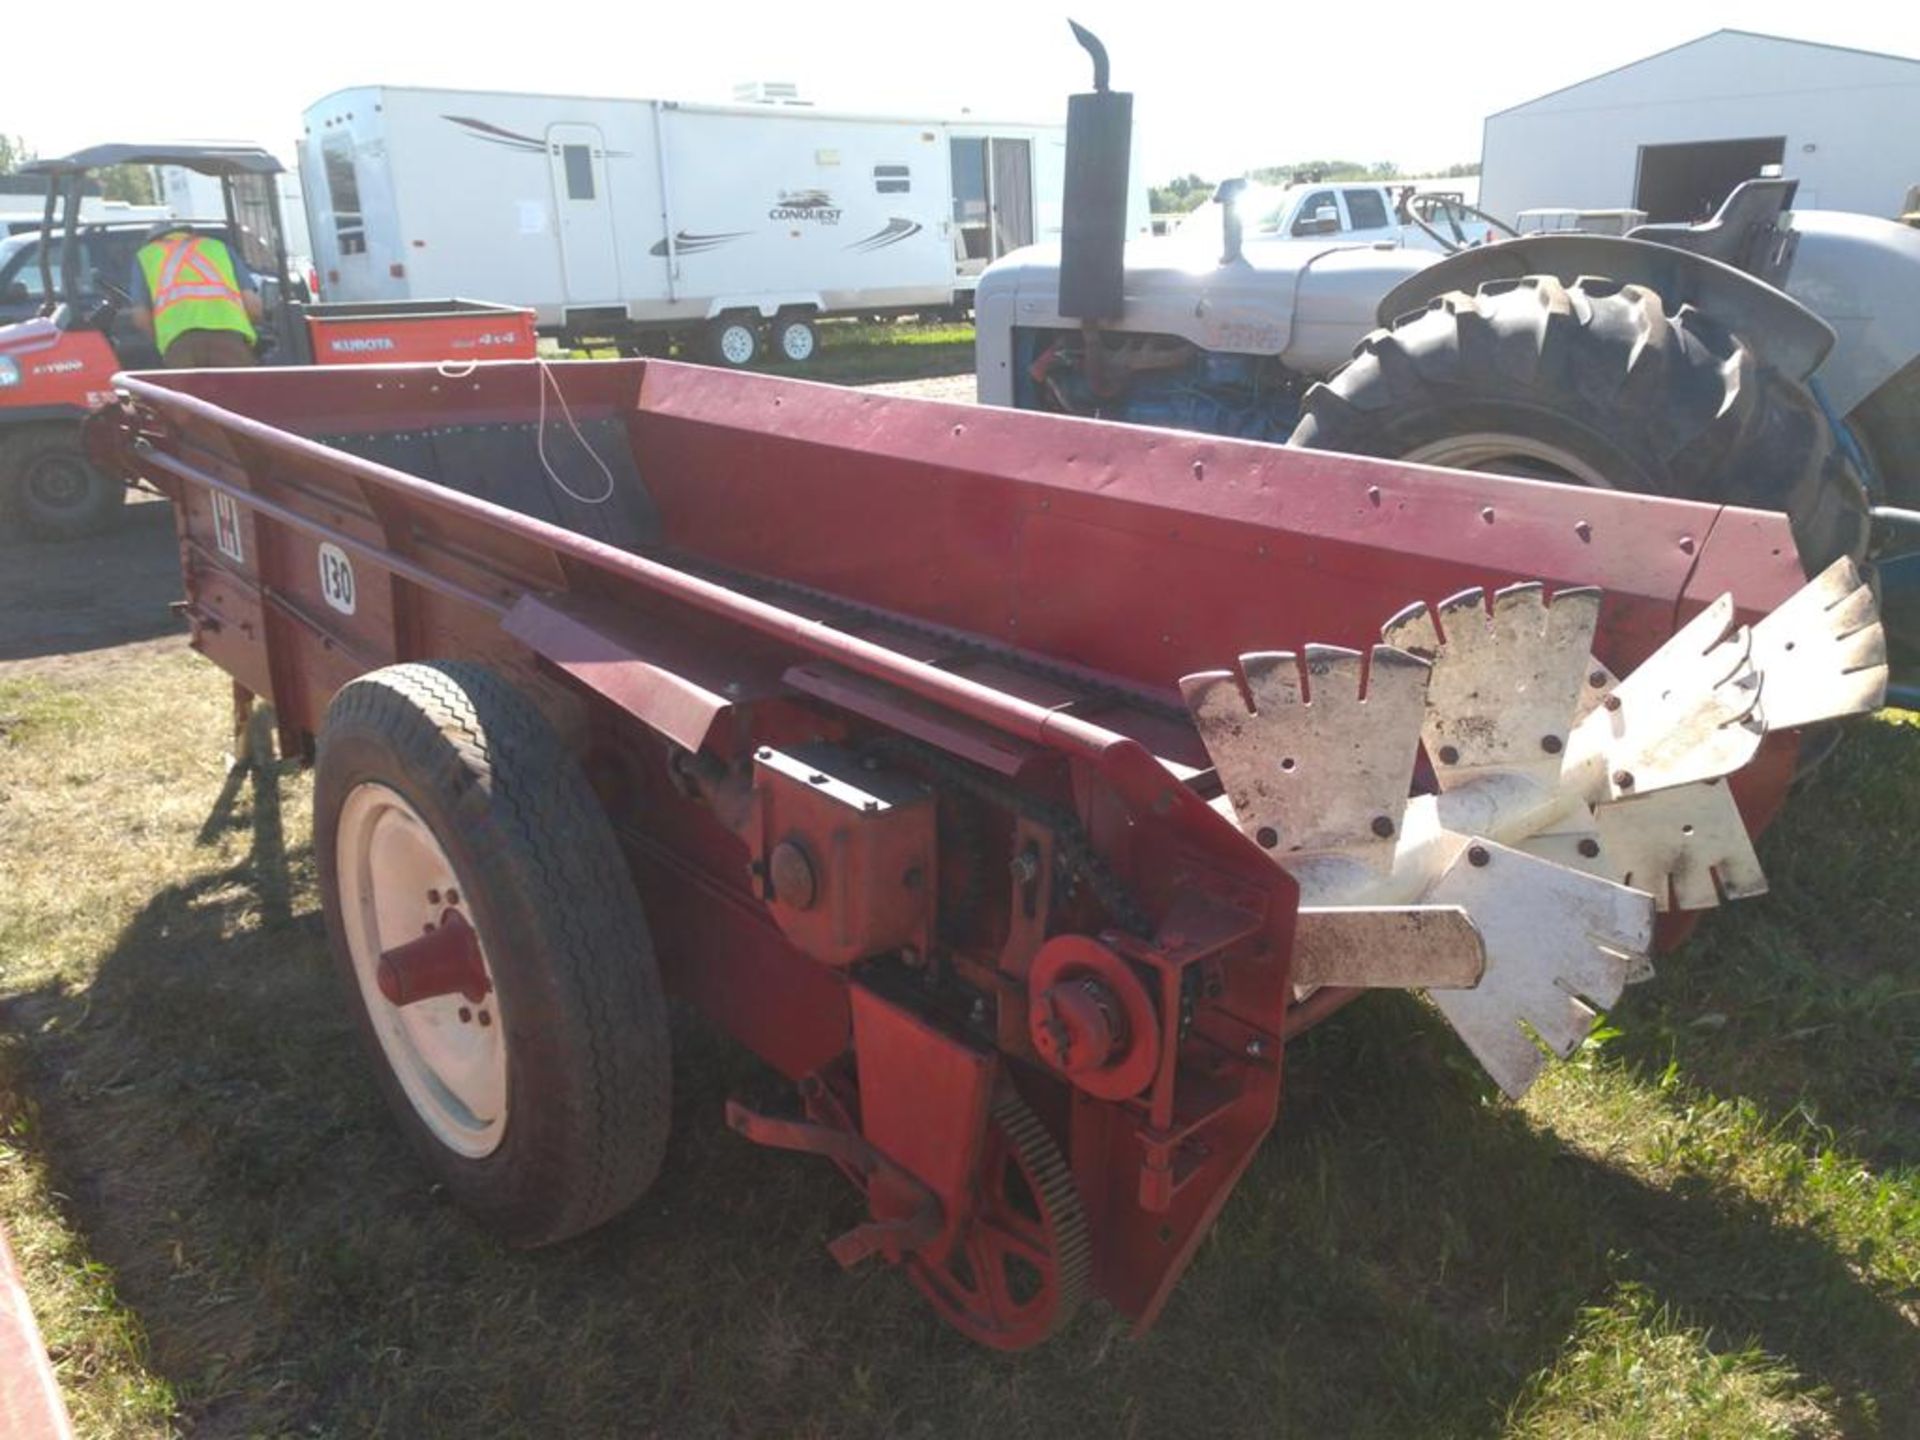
(527, 1060)
(1594, 384)
(1889, 421)
(52, 489)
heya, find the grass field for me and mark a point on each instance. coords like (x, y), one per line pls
(1706, 1225)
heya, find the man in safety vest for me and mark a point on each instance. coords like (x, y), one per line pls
(196, 298)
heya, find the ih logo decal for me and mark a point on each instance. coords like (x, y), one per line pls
(226, 528)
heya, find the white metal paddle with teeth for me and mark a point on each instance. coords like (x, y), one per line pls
(1570, 805)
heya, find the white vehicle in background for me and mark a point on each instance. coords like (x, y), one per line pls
(649, 221)
(1352, 212)
(21, 214)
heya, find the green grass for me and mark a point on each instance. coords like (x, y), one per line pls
(1705, 1225)
(861, 352)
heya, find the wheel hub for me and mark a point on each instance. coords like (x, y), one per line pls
(422, 969)
(59, 482)
(1499, 453)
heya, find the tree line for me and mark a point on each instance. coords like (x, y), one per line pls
(131, 183)
(1184, 192)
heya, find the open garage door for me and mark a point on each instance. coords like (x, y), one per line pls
(1688, 182)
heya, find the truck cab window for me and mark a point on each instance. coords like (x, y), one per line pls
(1312, 206)
(1366, 209)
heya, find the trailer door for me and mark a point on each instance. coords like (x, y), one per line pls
(1012, 195)
(992, 199)
(589, 256)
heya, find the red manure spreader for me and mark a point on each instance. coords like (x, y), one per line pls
(1016, 785)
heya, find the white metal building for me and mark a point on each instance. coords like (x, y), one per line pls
(1673, 133)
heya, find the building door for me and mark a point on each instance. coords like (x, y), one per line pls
(1689, 182)
(992, 200)
(583, 214)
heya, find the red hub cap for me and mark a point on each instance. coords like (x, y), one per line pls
(444, 961)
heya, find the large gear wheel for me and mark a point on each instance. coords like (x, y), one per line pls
(1025, 1261)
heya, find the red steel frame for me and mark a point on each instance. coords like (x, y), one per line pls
(1120, 557)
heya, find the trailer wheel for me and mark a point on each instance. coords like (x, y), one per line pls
(1593, 384)
(796, 338)
(486, 925)
(55, 490)
(733, 341)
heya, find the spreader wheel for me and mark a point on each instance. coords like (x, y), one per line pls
(487, 929)
(1024, 1264)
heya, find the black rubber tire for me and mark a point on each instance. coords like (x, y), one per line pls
(1661, 404)
(1889, 422)
(713, 341)
(589, 1086)
(52, 490)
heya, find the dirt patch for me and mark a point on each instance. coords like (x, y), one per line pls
(60, 602)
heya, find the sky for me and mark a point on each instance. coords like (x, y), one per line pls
(1218, 88)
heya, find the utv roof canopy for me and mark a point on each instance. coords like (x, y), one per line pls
(207, 159)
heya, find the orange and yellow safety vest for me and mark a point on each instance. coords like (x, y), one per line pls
(194, 287)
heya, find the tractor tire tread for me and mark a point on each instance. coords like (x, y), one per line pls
(1666, 402)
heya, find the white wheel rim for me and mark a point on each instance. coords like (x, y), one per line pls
(736, 344)
(396, 883)
(796, 341)
(1492, 451)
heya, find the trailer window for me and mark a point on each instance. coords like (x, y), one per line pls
(343, 193)
(892, 179)
(579, 162)
(1367, 209)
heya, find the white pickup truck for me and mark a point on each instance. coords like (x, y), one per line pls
(1354, 211)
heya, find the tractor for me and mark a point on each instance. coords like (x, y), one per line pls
(1769, 357)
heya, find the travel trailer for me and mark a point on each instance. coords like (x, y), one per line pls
(644, 221)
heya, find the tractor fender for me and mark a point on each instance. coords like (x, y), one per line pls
(1859, 273)
(1775, 326)
(1335, 294)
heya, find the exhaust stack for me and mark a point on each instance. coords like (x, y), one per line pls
(1093, 231)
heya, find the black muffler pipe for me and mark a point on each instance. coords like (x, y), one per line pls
(1093, 224)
